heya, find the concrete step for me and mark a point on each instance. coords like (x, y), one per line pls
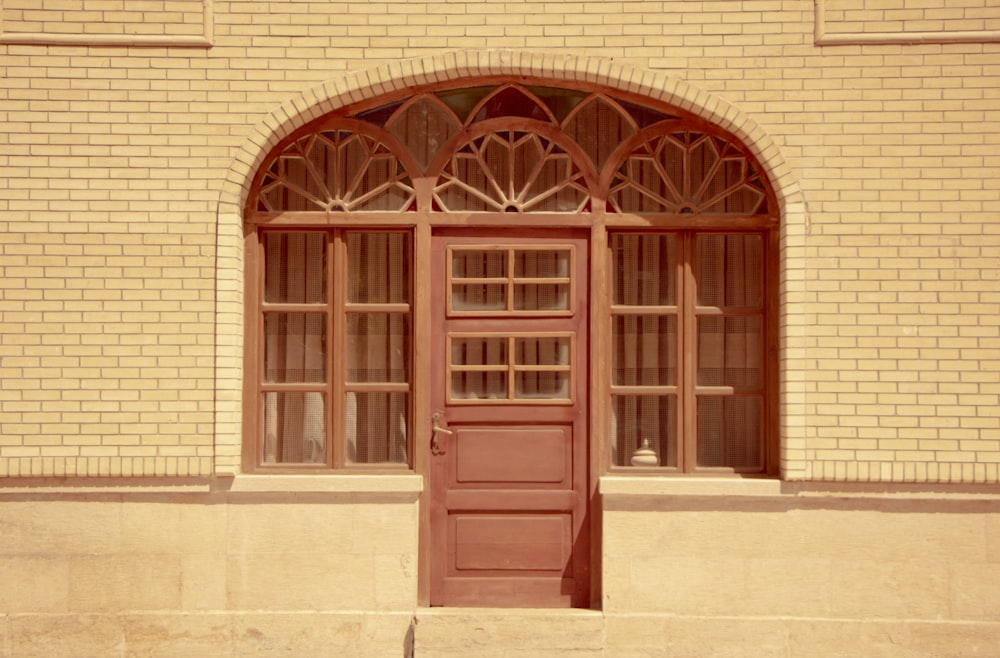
(508, 633)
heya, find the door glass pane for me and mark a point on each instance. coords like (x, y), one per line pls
(375, 425)
(535, 385)
(294, 347)
(646, 422)
(541, 297)
(729, 351)
(644, 269)
(729, 270)
(378, 347)
(479, 351)
(478, 385)
(478, 264)
(379, 268)
(294, 428)
(294, 268)
(541, 263)
(542, 351)
(479, 297)
(645, 350)
(729, 431)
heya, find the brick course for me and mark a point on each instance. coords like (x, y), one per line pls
(120, 302)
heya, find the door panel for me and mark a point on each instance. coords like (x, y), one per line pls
(483, 456)
(509, 490)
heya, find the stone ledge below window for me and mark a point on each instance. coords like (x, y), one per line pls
(623, 493)
(684, 486)
(405, 486)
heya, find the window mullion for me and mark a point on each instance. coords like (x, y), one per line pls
(688, 443)
(337, 286)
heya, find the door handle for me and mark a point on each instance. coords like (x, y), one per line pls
(436, 430)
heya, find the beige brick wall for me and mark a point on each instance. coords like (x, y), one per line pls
(119, 281)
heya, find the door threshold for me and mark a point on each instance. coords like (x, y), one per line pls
(510, 612)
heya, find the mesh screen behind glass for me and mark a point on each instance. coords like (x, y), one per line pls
(375, 425)
(729, 431)
(294, 428)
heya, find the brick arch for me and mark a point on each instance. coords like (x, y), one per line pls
(453, 66)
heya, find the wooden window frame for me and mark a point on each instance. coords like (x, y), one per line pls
(686, 388)
(336, 307)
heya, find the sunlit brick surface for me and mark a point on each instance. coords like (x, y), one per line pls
(120, 302)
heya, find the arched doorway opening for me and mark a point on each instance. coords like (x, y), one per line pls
(511, 286)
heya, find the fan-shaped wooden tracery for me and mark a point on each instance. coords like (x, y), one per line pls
(511, 148)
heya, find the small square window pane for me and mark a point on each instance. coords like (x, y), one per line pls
(645, 350)
(294, 428)
(644, 269)
(378, 347)
(644, 422)
(729, 270)
(294, 348)
(729, 431)
(294, 267)
(730, 351)
(378, 266)
(376, 428)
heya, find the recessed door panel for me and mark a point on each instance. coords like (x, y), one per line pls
(513, 543)
(535, 455)
(509, 487)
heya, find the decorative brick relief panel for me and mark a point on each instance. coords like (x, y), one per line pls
(842, 22)
(184, 23)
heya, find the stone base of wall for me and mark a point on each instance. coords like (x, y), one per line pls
(208, 634)
(465, 633)
(688, 568)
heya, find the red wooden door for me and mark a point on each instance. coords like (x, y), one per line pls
(509, 491)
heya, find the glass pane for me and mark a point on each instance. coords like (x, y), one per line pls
(376, 428)
(599, 127)
(729, 431)
(479, 385)
(541, 385)
(729, 270)
(703, 155)
(477, 351)
(378, 347)
(645, 350)
(379, 268)
(645, 269)
(545, 351)
(541, 297)
(422, 127)
(644, 420)
(730, 351)
(479, 264)
(294, 347)
(541, 264)
(294, 428)
(509, 102)
(479, 297)
(294, 268)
